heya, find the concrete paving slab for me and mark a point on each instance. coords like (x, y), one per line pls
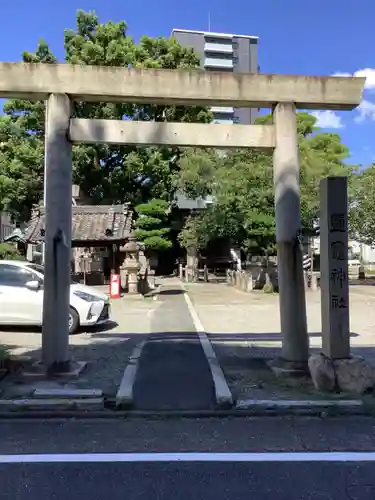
(223, 394)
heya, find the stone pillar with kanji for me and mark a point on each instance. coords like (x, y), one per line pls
(334, 267)
(335, 368)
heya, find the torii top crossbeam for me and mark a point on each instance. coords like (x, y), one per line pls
(183, 87)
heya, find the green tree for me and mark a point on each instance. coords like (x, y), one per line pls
(22, 147)
(241, 184)
(194, 233)
(362, 207)
(322, 154)
(110, 174)
(21, 167)
(152, 226)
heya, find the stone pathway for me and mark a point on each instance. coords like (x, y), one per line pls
(173, 371)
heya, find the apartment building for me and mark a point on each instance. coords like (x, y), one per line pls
(224, 52)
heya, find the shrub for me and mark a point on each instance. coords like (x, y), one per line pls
(9, 252)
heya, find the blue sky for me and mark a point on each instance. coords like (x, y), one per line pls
(321, 37)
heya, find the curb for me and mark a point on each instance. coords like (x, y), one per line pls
(124, 396)
(311, 406)
(256, 411)
(223, 395)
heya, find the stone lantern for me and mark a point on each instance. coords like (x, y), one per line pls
(131, 263)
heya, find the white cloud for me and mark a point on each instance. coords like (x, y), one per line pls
(366, 110)
(327, 119)
(342, 74)
(368, 73)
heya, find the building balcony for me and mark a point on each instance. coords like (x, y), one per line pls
(220, 48)
(219, 109)
(222, 121)
(218, 63)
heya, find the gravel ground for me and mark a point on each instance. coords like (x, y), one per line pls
(106, 349)
(244, 329)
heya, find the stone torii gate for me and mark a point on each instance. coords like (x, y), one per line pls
(59, 84)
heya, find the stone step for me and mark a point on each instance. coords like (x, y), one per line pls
(67, 392)
(51, 404)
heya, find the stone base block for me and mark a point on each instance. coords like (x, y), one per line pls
(283, 368)
(322, 373)
(70, 370)
(353, 374)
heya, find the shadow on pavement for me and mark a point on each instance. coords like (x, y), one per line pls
(173, 372)
(172, 291)
(37, 329)
(259, 337)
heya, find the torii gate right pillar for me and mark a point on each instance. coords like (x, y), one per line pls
(295, 343)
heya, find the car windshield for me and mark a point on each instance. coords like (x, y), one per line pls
(36, 267)
(40, 269)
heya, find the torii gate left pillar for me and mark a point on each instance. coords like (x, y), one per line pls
(58, 221)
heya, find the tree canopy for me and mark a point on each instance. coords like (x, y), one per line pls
(240, 182)
(362, 207)
(241, 185)
(109, 174)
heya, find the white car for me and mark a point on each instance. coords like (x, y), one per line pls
(21, 298)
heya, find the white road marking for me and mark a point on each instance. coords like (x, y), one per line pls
(189, 457)
(222, 392)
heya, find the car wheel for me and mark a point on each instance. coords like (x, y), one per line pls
(73, 321)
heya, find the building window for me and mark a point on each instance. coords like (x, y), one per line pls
(217, 40)
(219, 56)
(223, 117)
(219, 69)
(235, 45)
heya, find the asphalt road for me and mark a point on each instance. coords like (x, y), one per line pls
(114, 459)
(206, 481)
